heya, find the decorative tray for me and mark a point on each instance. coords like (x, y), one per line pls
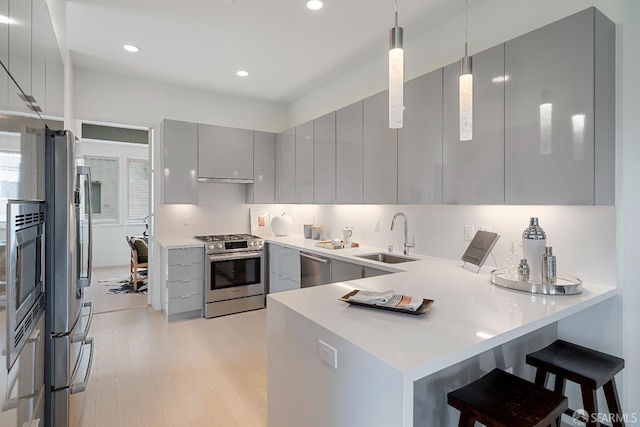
(566, 285)
(327, 244)
(424, 308)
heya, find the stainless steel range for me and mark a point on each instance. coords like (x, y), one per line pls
(234, 274)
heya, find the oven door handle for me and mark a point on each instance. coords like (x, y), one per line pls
(236, 255)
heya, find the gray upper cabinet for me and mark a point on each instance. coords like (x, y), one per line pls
(20, 43)
(225, 154)
(263, 189)
(379, 152)
(420, 141)
(349, 154)
(178, 142)
(324, 159)
(286, 166)
(560, 87)
(39, 40)
(474, 170)
(4, 38)
(304, 163)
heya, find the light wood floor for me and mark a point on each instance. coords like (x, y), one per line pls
(201, 372)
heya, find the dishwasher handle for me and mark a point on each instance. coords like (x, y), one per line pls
(313, 258)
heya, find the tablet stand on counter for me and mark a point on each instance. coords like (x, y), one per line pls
(480, 248)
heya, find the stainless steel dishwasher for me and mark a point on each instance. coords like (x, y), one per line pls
(314, 270)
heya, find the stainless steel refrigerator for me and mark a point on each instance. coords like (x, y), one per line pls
(68, 247)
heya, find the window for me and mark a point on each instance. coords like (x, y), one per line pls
(104, 187)
(138, 177)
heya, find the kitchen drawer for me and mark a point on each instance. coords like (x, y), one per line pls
(185, 303)
(178, 273)
(184, 287)
(278, 283)
(183, 256)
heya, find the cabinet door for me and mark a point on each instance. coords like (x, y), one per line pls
(373, 272)
(20, 43)
(549, 117)
(4, 42)
(349, 154)
(304, 163)
(54, 77)
(286, 166)
(420, 141)
(474, 170)
(324, 159)
(225, 153)
(343, 271)
(263, 189)
(180, 153)
(284, 262)
(39, 34)
(380, 152)
(278, 283)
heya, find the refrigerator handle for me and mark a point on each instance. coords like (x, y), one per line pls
(83, 335)
(85, 170)
(80, 387)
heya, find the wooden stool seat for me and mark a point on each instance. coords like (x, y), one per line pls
(589, 368)
(500, 399)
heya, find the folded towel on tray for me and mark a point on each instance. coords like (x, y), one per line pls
(388, 299)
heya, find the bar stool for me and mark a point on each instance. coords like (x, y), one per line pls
(500, 399)
(589, 368)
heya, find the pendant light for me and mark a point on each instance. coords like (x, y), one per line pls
(466, 89)
(396, 75)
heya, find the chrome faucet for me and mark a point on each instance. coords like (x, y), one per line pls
(407, 245)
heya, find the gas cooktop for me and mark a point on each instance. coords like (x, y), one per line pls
(223, 243)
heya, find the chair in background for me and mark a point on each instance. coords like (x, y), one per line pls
(138, 265)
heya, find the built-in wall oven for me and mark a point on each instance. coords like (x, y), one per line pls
(234, 273)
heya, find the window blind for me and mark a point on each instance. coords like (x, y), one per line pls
(138, 180)
(104, 176)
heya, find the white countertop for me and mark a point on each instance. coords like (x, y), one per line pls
(470, 315)
(186, 242)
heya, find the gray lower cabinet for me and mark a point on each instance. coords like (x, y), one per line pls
(373, 272)
(286, 166)
(349, 154)
(379, 152)
(284, 268)
(304, 163)
(474, 170)
(342, 271)
(263, 189)
(178, 145)
(420, 141)
(559, 113)
(225, 153)
(184, 282)
(324, 159)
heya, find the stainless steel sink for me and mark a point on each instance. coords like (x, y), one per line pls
(387, 258)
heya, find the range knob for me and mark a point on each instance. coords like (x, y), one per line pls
(211, 247)
(250, 243)
(219, 246)
(259, 243)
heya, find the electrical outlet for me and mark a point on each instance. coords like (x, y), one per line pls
(186, 220)
(468, 232)
(328, 354)
(485, 228)
(376, 225)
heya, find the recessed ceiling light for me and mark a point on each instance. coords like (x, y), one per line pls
(131, 48)
(6, 20)
(242, 73)
(314, 4)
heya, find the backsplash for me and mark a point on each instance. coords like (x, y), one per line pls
(583, 237)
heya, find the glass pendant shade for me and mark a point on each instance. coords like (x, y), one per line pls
(466, 100)
(396, 78)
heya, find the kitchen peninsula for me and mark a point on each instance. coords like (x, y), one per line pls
(395, 369)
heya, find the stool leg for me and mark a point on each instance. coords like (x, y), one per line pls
(613, 403)
(466, 420)
(559, 388)
(541, 377)
(590, 405)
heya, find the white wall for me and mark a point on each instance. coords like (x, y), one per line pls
(109, 245)
(106, 97)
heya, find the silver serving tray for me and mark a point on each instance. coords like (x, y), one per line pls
(566, 285)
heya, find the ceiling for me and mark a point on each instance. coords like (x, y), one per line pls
(287, 49)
